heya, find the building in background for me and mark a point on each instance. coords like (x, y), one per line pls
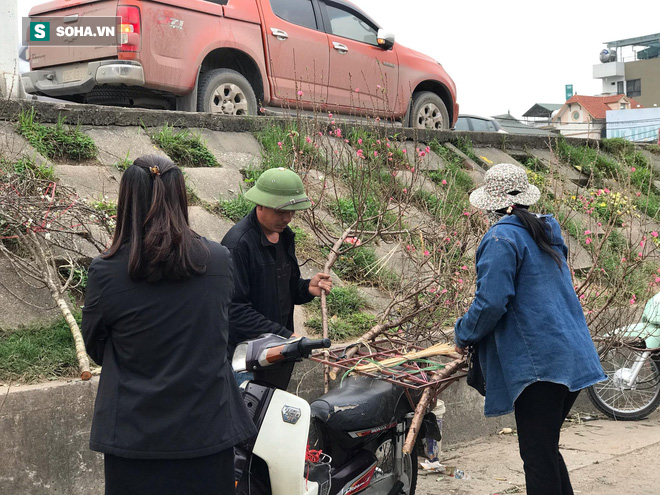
(540, 115)
(639, 124)
(632, 67)
(514, 126)
(585, 116)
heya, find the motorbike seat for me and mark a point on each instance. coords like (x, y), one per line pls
(360, 403)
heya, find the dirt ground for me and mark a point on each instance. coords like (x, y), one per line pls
(604, 457)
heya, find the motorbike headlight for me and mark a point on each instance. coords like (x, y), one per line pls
(238, 362)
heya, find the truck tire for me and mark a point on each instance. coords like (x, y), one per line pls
(225, 92)
(428, 111)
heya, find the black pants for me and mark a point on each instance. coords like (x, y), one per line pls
(540, 411)
(209, 475)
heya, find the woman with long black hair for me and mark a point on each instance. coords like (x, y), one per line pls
(527, 323)
(168, 411)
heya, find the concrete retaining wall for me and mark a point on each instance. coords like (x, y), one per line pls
(45, 432)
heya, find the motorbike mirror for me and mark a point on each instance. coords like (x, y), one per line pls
(239, 361)
(385, 40)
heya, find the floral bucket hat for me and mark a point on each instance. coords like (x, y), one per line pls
(505, 185)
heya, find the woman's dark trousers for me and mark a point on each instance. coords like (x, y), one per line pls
(540, 411)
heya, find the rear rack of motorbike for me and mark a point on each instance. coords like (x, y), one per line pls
(410, 374)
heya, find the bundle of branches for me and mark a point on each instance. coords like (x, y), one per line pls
(434, 350)
(47, 233)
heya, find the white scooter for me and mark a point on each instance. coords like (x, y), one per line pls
(631, 360)
(359, 429)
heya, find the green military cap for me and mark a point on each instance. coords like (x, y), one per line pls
(281, 189)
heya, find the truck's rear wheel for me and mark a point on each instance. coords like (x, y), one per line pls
(428, 111)
(226, 92)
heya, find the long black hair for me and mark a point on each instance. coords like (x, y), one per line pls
(152, 218)
(536, 227)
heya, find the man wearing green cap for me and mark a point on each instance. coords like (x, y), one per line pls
(267, 281)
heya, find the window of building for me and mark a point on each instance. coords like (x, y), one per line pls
(634, 88)
(619, 87)
(295, 12)
(623, 106)
(348, 24)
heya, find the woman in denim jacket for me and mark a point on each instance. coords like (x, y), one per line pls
(535, 349)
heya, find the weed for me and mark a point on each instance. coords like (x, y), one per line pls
(339, 329)
(57, 141)
(123, 164)
(37, 353)
(587, 160)
(234, 209)
(184, 147)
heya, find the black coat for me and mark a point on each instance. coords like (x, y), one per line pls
(166, 390)
(254, 308)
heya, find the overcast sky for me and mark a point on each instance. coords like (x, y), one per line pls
(510, 54)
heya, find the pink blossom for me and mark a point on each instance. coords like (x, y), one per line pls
(606, 190)
(641, 243)
(464, 267)
(444, 291)
(466, 213)
(623, 260)
(641, 255)
(357, 90)
(600, 224)
(408, 247)
(412, 169)
(426, 253)
(428, 149)
(657, 280)
(403, 151)
(338, 133)
(405, 190)
(587, 232)
(582, 296)
(460, 280)
(444, 182)
(588, 240)
(308, 139)
(422, 154)
(633, 169)
(353, 240)
(360, 141)
(375, 153)
(300, 93)
(654, 234)
(279, 143)
(330, 115)
(378, 86)
(638, 194)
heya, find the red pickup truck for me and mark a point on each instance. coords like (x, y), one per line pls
(238, 57)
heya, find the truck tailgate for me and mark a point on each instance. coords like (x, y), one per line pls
(48, 56)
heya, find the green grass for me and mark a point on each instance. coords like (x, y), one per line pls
(184, 147)
(123, 164)
(351, 326)
(37, 353)
(234, 209)
(344, 209)
(345, 316)
(25, 168)
(589, 161)
(59, 141)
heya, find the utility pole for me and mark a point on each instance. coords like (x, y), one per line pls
(10, 84)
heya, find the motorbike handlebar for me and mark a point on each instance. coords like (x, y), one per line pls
(306, 346)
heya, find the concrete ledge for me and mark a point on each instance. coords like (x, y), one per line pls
(97, 115)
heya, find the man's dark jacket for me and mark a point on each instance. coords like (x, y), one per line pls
(255, 308)
(166, 390)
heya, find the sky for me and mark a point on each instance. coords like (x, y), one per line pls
(507, 55)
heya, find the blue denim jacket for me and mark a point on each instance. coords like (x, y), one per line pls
(526, 317)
